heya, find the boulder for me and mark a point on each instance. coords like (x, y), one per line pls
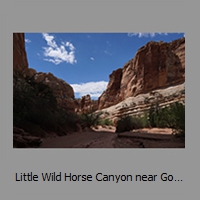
(22, 139)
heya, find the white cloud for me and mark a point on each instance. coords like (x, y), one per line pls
(58, 54)
(108, 53)
(145, 34)
(27, 41)
(94, 89)
(91, 58)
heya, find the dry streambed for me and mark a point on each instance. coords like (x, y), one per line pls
(107, 138)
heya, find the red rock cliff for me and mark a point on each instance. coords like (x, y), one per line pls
(155, 65)
(20, 62)
(62, 91)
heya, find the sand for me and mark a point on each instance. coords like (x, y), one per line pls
(107, 138)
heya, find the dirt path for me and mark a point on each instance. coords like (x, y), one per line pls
(107, 138)
(82, 140)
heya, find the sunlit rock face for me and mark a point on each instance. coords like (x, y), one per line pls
(155, 65)
(85, 104)
(20, 62)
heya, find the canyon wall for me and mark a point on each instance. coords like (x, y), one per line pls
(20, 62)
(140, 104)
(155, 65)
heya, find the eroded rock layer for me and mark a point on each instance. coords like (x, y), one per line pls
(139, 105)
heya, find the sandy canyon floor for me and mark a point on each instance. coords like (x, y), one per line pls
(107, 138)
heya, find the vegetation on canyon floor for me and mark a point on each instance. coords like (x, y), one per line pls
(172, 116)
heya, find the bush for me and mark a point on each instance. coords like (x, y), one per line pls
(89, 119)
(171, 117)
(105, 122)
(177, 121)
(128, 123)
(144, 121)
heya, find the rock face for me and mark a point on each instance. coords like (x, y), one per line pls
(155, 65)
(85, 104)
(20, 62)
(62, 91)
(112, 94)
(137, 106)
(178, 47)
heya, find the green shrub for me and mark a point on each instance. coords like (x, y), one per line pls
(105, 122)
(171, 117)
(128, 123)
(89, 119)
(144, 121)
(177, 121)
(159, 118)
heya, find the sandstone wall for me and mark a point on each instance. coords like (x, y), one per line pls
(155, 65)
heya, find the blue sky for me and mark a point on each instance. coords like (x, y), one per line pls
(85, 60)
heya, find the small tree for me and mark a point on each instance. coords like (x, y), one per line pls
(172, 117)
